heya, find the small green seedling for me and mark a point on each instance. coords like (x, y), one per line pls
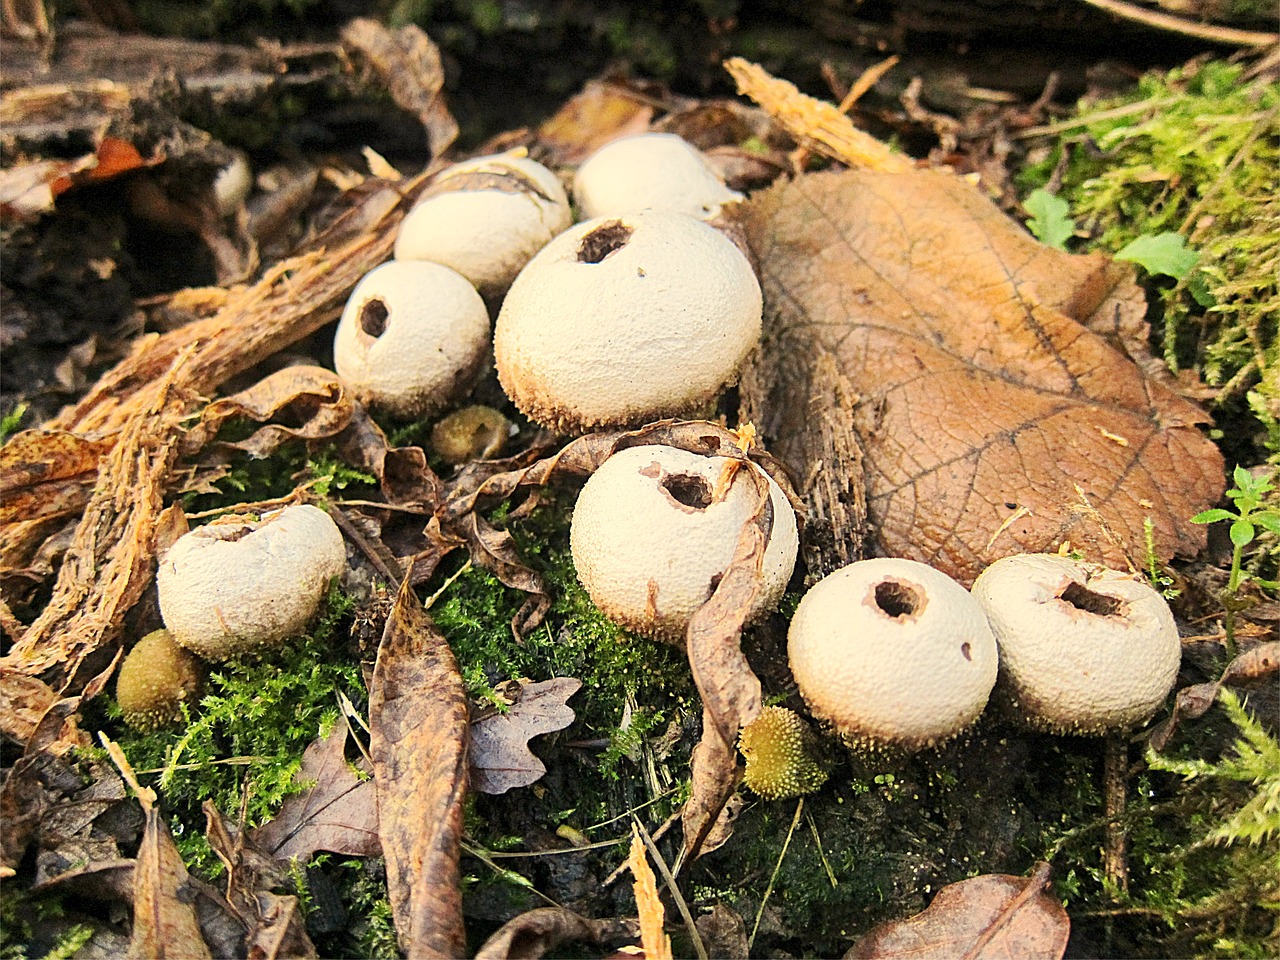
(1253, 510)
(1050, 222)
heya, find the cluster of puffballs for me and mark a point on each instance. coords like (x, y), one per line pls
(644, 311)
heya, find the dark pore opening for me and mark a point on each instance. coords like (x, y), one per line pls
(896, 599)
(966, 651)
(373, 318)
(687, 489)
(1082, 598)
(603, 240)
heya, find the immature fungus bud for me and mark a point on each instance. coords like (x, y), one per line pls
(778, 747)
(619, 322)
(155, 680)
(655, 528)
(472, 433)
(233, 587)
(486, 218)
(1083, 649)
(659, 171)
(893, 653)
(412, 338)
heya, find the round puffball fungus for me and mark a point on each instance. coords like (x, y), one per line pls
(778, 748)
(476, 432)
(619, 322)
(893, 653)
(486, 218)
(233, 587)
(155, 680)
(659, 171)
(413, 336)
(651, 538)
(1083, 649)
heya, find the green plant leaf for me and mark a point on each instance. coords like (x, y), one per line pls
(1242, 533)
(1213, 516)
(1269, 522)
(1049, 221)
(1164, 254)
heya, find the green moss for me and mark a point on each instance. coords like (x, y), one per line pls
(248, 732)
(1196, 152)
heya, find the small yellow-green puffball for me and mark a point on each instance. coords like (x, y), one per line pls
(779, 763)
(472, 433)
(156, 678)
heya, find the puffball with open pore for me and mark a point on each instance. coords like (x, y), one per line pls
(655, 528)
(893, 653)
(1083, 649)
(486, 218)
(620, 322)
(413, 337)
(236, 586)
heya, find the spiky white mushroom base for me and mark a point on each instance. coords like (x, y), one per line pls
(655, 528)
(229, 588)
(893, 653)
(1083, 649)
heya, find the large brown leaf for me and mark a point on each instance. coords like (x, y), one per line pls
(991, 420)
(418, 743)
(992, 917)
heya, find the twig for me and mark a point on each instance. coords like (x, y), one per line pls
(1115, 769)
(698, 947)
(777, 867)
(1188, 28)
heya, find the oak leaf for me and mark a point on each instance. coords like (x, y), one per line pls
(991, 419)
(500, 755)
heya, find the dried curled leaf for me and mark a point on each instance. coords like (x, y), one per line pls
(991, 420)
(538, 932)
(500, 755)
(993, 917)
(418, 743)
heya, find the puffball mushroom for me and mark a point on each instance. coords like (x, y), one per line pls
(655, 528)
(486, 218)
(661, 171)
(413, 337)
(155, 679)
(893, 653)
(1083, 649)
(232, 587)
(619, 322)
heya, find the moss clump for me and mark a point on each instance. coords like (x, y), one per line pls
(156, 679)
(778, 747)
(1194, 152)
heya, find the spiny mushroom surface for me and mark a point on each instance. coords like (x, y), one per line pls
(619, 322)
(486, 218)
(233, 587)
(893, 653)
(778, 747)
(659, 171)
(1083, 649)
(412, 338)
(155, 679)
(655, 528)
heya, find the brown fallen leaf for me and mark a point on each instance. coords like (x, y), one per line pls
(600, 112)
(313, 398)
(164, 920)
(729, 688)
(992, 917)
(990, 420)
(418, 744)
(500, 755)
(538, 932)
(275, 924)
(339, 813)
